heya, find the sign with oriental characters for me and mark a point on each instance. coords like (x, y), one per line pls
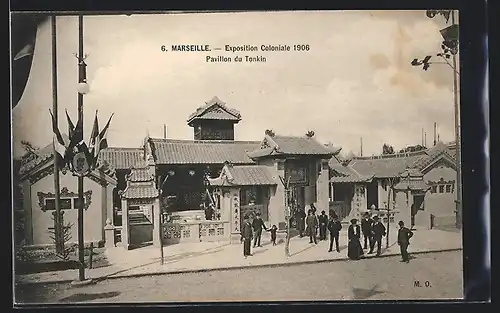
(297, 174)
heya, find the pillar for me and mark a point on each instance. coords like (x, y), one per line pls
(322, 199)
(28, 218)
(109, 234)
(277, 202)
(125, 225)
(157, 234)
(109, 205)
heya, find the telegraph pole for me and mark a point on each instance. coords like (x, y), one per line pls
(458, 201)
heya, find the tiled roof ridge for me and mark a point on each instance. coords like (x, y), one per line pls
(122, 148)
(391, 156)
(214, 101)
(163, 140)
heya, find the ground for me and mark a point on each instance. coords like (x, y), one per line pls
(427, 276)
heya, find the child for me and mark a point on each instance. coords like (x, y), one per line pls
(273, 234)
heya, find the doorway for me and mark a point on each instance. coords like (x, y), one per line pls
(418, 205)
(372, 194)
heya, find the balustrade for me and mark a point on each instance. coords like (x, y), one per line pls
(195, 231)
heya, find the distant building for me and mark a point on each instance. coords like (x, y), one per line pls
(425, 185)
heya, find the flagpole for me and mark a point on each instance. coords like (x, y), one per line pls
(81, 79)
(57, 188)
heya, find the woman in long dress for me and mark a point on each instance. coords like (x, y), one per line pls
(354, 249)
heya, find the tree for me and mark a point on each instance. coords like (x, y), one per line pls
(66, 237)
(270, 133)
(412, 149)
(310, 134)
(449, 46)
(387, 149)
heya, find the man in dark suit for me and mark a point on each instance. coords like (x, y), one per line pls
(334, 226)
(378, 231)
(366, 229)
(246, 236)
(258, 225)
(323, 222)
(404, 235)
(300, 217)
(312, 224)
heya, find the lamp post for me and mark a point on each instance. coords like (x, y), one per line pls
(83, 88)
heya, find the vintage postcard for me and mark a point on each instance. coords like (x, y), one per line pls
(236, 156)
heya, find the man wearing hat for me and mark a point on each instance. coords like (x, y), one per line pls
(378, 231)
(366, 228)
(323, 222)
(246, 236)
(334, 226)
(258, 225)
(404, 235)
(312, 224)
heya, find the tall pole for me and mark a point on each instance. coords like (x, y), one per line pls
(458, 202)
(81, 79)
(58, 227)
(435, 130)
(387, 215)
(361, 146)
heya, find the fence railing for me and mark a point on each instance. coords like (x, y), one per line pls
(118, 234)
(195, 231)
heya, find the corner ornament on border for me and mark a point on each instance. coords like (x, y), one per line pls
(65, 193)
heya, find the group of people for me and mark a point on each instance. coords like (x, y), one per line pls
(371, 231)
(253, 231)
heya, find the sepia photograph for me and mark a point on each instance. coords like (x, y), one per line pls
(256, 156)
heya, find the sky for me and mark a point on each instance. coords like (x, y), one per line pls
(355, 82)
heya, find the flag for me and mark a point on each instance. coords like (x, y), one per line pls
(24, 29)
(102, 140)
(76, 136)
(93, 137)
(59, 142)
(71, 127)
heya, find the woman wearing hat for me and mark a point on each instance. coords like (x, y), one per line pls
(354, 249)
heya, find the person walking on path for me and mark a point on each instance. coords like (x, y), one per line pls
(366, 228)
(404, 235)
(300, 217)
(354, 249)
(323, 223)
(378, 231)
(312, 224)
(334, 226)
(258, 225)
(246, 237)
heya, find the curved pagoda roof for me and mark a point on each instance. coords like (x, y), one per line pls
(215, 109)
